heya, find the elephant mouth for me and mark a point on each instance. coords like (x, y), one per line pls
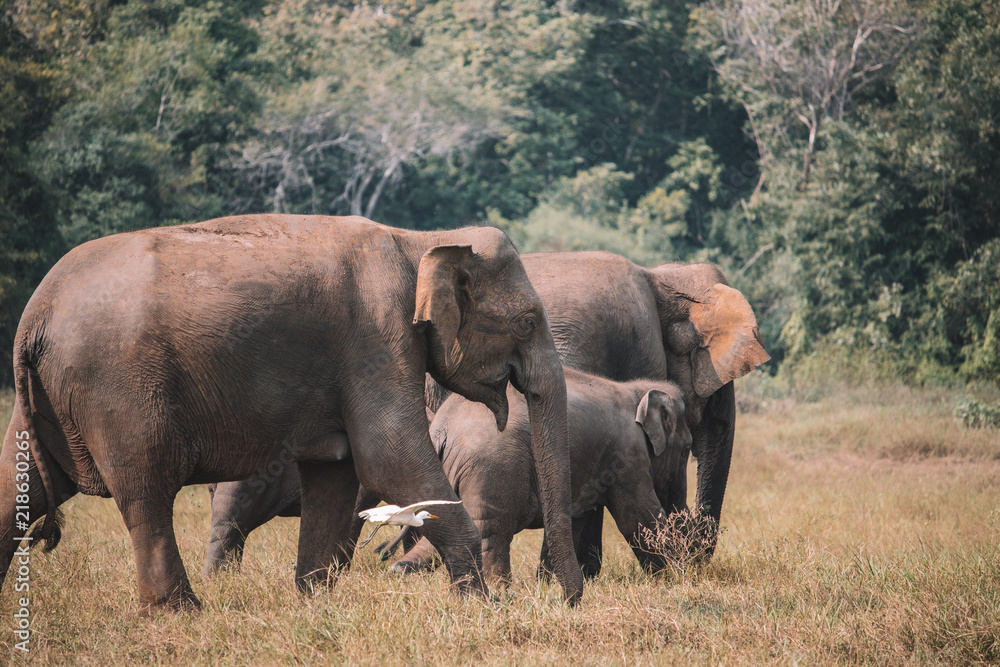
(498, 382)
(496, 397)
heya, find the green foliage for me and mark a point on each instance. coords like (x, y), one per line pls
(580, 213)
(839, 161)
(29, 241)
(973, 413)
(968, 318)
(160, 102)
(873, 197)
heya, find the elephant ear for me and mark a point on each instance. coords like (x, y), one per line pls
(661, 416)
(730, 341)
(443, 295)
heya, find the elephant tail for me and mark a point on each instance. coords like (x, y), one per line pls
(29, 393)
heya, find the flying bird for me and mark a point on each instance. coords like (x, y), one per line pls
(394, 515)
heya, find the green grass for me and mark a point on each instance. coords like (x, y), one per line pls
(859, 528)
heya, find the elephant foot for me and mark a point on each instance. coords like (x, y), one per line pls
(404, 567)
(317, 580)
(181, 601)
(215, 566)
(383, 554)
(591, 567)
(473, 584)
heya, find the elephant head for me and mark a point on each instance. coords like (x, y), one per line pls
(485, 326)
(710, 333)
(661, 415)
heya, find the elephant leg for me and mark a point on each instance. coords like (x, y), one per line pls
(588, 542)
(365, 500)
(588, 532)
(712, 445)
(329, 494)
(403, 475)
(406, 537)
(148, 515)
(239, 508)
(422, 557)
(636, 510)
(496, 558)
(544, 571)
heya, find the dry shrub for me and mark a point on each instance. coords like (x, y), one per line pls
(916, 449)
(684, 540)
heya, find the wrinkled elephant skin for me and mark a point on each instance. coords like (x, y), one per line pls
(676, 321)
(616, 431)
(610, 317)
(198, 353)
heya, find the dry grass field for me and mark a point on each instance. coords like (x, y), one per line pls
(861, 526)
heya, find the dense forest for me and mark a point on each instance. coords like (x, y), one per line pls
(840, 159)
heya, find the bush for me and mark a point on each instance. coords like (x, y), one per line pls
(973, 413)
(684, 540)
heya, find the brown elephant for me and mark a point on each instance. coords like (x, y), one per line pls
(677, 321)
(616, 432)
(192, 354)
(610, 317)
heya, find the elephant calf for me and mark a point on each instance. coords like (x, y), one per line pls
(615, 430)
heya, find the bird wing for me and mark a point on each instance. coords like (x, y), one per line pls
(377, 513)
(428, 503)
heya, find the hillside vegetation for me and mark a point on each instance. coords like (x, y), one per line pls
(840, 160)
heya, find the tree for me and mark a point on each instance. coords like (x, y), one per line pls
(379, 91)
(28, 236)
(803, 60)
(158, 102)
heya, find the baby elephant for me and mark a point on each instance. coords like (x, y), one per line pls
(621, 436)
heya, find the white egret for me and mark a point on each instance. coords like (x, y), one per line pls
(394, 515)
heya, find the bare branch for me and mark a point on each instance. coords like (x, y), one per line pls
(804, 59)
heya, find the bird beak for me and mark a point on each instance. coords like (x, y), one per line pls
(433, 517)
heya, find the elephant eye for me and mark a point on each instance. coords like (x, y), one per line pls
(524, 326)
(682, 337)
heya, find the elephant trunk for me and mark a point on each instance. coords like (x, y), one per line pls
(544, 388)
(713, 447)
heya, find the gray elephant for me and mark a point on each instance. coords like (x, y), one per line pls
(616, 431)
(610, 317)
(677, 321)
(193, 354)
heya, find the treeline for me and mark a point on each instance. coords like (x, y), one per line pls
(839, 158)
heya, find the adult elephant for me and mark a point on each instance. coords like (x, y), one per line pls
(192, 354)
(681, 322)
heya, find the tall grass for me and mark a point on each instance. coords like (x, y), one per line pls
(6, 407)
(860, 526)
